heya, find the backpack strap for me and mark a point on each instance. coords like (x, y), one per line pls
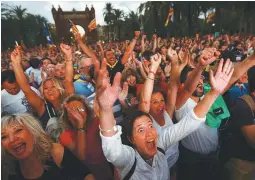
(161, 150)
(248, 99)
(132, 170)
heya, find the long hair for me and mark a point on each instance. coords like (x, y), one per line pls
(42, 143)
(57, 83)
(64, 121)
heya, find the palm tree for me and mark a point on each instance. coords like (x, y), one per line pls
(19, 13)
(118, 16)
(108, 16)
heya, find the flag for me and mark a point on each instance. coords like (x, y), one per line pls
(170, 14)
(92, 25)
(73, 26)
(46, 31)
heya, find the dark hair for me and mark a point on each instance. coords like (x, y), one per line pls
(47, 59)
(35, 63)
(251, 79)
(184, 74)
(159, 90)
(132, 115)
(9, 76)
(147, 54)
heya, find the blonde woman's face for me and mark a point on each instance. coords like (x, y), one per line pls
(50, 91)
(18, 141)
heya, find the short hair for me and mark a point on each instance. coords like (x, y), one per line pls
(35, 63)
(132, 115)
(64, 115)
(60, 59)
(147, 54)
(42, 143)
(9, 76)
(57, 83)
(47, 59)
(128, 72)
(251, 79)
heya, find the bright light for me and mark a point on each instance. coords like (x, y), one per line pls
(213, 24)
(80, 29)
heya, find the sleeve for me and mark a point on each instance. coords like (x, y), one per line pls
(73, 167)
(176, 132)
(241, 114)
(65, 138)
(180, 113)
(121, 156)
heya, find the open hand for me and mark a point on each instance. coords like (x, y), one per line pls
(80, 121)
(124, 92)
(220, 80)
(67, 50)
(172, 55)
(106, 93)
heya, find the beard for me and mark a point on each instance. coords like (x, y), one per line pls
(197, 93)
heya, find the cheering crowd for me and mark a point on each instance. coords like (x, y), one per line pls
(159, 108)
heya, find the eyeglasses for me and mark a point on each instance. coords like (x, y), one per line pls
(85, 67)
(50, 69)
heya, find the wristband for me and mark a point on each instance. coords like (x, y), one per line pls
(150, 78)
(80, 129)
(114, 128)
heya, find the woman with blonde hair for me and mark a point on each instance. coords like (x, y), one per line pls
(31, 154)
(81, 136)
(51, 89)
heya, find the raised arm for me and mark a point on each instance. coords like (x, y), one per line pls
(85, 48)
(99, 44)
(80, 144)
(129, 49)
(142, 43)
(206, 57)
(120, 155)
(219, 81)
(145, 96)
(69, 87)
(174, 82)
(240, 69)
(154, 43)
(34, 100)
(190, 122)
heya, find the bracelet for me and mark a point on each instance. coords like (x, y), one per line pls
(150, 78)
(152, 72)
(114, 128)
(80, 129)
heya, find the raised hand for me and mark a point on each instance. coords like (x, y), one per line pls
(143, 36)
(222, 76)
(124, 92)
(155, 61)
(67, 50)
(32, 77)
(207, 57)
(172, 55)
(99, 43)
(106, 93)
(79, 120)
(167, 69)
(16, 56)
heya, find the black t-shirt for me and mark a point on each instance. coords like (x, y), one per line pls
(71, 169)
(113, 70)
(241, 115)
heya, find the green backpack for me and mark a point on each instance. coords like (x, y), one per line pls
(217, 112)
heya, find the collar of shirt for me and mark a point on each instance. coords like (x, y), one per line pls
(112, 66)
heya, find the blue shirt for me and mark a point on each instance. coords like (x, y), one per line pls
(83, 87)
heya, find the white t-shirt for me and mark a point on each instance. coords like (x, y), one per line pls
(205, 139)
(18, 103)
(172, 153)
(37, 75)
